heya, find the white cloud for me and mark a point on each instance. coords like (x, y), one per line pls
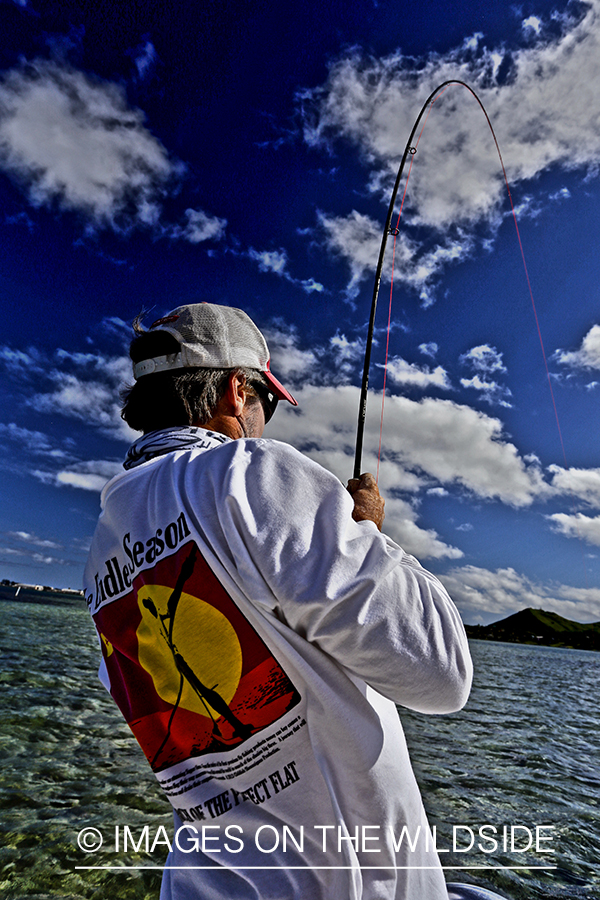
(276, 261)
(288, 361)
(35, 442)
(347, 350)
(484, 359)
(588, 355)
(90, 475)
(476, 590)
(401, 524)
(437, 492)
(433, 443)
(356, 238)
(543, 115)
(270, 260)
(72, 140)
(429, 349)
(583, 484)
(403, 372)
(562, 194)
(577, 525)
(323, 427)
(345, 356)
(85, 386)
(199, 227)
(33, 557)
(452, 443)
(28, 538)
(334, 362)
(532, 23)
(491, 392)
(24, 363)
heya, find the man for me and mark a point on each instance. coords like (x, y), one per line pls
(257, 629)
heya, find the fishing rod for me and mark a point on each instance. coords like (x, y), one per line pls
(409, 150)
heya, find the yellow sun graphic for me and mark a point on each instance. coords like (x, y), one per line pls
(201, 636)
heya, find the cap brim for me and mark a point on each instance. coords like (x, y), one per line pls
(278, 388)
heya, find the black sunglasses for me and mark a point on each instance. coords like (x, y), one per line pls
(268, 399)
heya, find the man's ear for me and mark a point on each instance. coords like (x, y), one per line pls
(236, 393)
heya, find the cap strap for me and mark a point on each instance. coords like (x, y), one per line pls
(158, 364)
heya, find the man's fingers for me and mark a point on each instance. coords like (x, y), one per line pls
(366, 480)
(368, 502)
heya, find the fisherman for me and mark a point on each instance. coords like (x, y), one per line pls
(257, 630)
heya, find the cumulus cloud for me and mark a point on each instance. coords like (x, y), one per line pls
(199, 227)
(429, 349)
(584, 484)
(93, 401)
(331, 362)
(73, 141)
(409, 374)
(276, 261)
(453, 443)
(356, 238)
(481, 593)
(22, 363)
(82, 386)
(437, 492)
(545, 113)
(587, 356)
(24, 548)
(90, 475)
(532, 23)
(290, 363)
(577, 525)
(486, 360)
(490, 391)
(35, 442)
(431, 444)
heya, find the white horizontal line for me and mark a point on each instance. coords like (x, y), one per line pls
(319, 868)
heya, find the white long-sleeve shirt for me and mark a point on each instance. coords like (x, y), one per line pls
(257, 639)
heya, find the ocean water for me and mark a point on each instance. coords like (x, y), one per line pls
(523, 752)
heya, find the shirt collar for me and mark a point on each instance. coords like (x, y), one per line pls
(168, 440)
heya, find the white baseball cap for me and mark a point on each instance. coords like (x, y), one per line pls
(213, 337)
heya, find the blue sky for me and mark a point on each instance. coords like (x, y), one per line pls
(151, 156)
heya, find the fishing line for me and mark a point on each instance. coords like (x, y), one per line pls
(411, 150)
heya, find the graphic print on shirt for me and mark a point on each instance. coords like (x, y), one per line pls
(186, 668)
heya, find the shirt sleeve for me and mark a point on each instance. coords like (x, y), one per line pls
(293, 545)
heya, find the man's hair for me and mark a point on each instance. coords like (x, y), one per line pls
(175, 397)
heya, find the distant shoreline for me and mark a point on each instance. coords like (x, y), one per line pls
(53, 597)
(530, 627)
(538, 628)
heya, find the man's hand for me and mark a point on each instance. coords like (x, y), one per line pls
(368, 502)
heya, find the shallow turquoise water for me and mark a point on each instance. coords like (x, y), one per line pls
(524, 751)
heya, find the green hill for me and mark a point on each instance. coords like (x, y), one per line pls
(536, 626)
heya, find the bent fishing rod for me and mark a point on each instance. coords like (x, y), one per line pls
(409, 150)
